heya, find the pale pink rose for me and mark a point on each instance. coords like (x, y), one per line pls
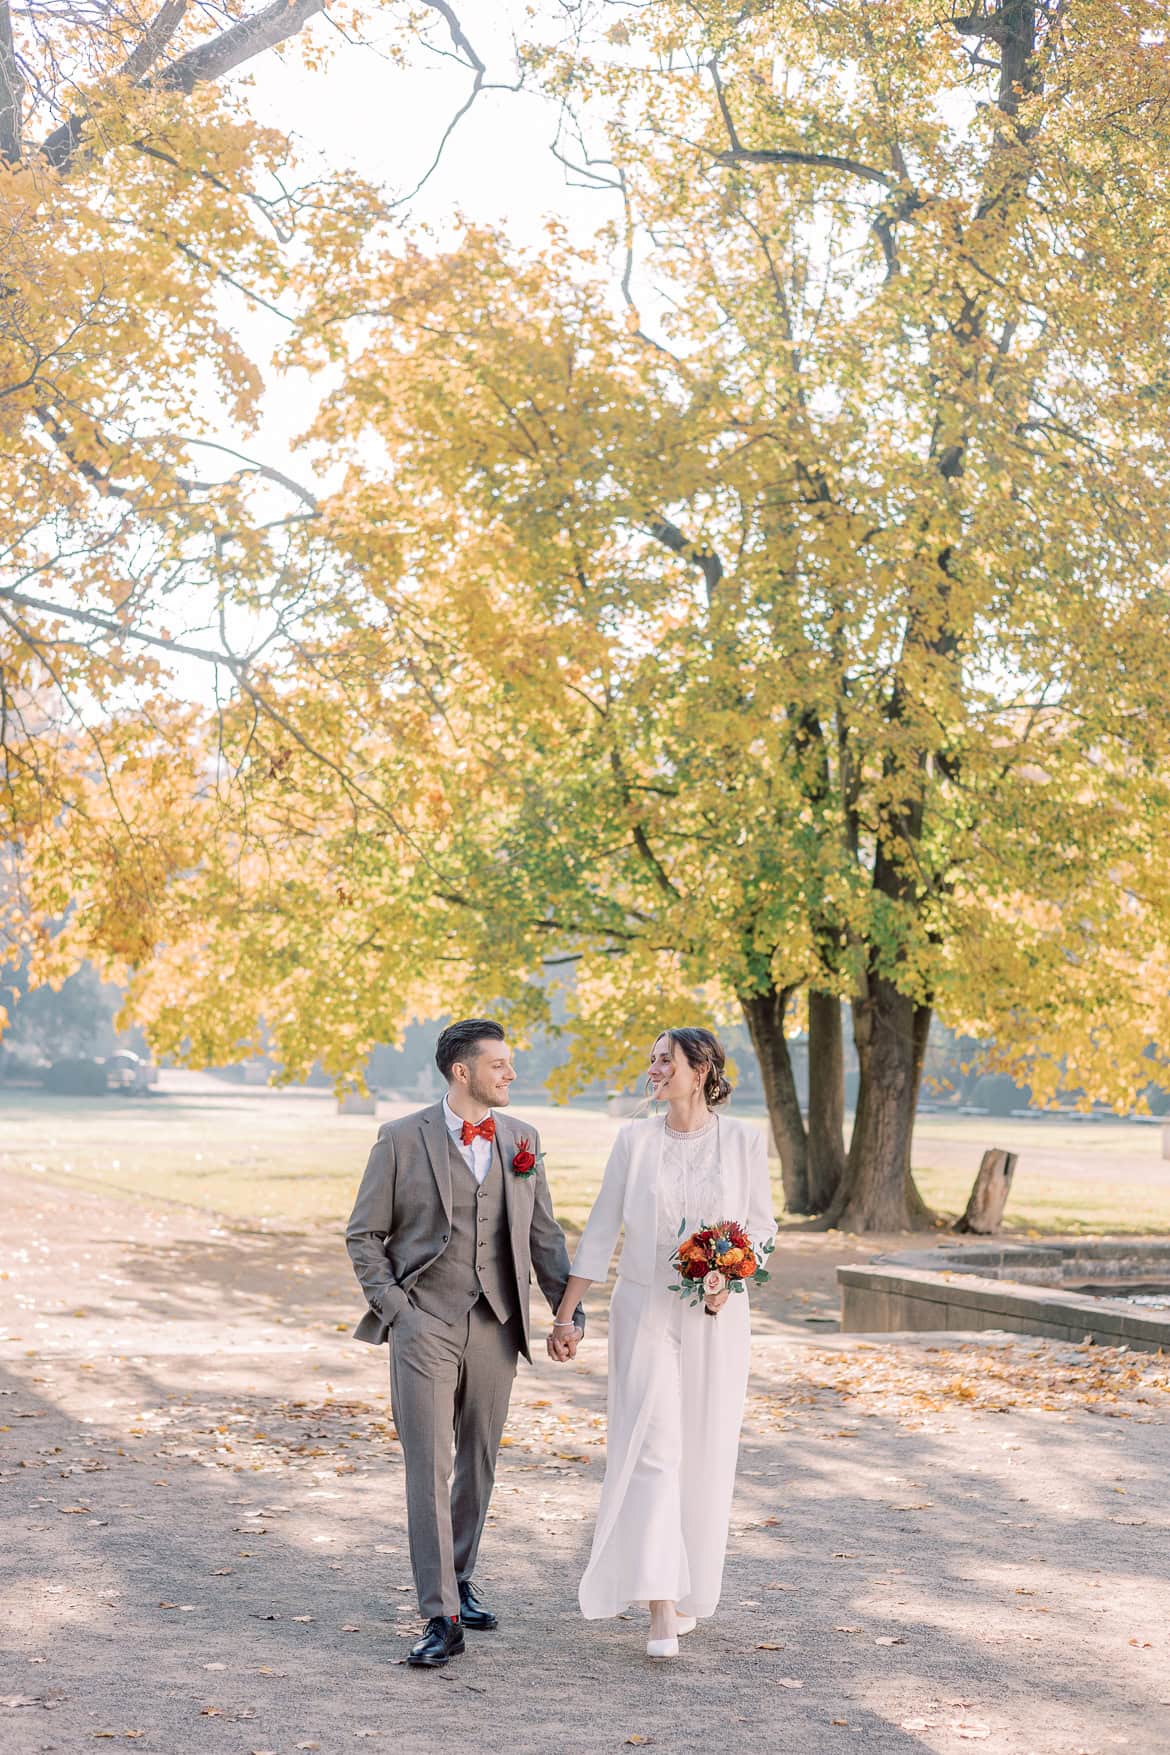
(714, 1283)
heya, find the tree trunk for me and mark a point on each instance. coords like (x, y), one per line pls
(878, 1192)
(826, 1100)
(764, 1014)
(920, 1214)
(989, 1197)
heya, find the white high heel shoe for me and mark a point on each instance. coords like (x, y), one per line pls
(668, 1648)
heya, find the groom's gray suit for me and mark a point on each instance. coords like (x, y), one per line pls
(445, 1264)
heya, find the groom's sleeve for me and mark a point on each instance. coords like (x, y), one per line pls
(546, 1244)
(369, 1226)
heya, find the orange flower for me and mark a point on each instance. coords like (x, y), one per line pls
(728, 1261)
(747, 1266)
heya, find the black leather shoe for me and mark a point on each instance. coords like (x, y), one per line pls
(472, 1612)
(442, 1641)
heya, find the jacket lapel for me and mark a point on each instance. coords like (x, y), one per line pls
(435, 1139)
(505, 1151)
(502, 1152)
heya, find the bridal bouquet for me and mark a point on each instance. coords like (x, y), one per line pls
(716, 1257)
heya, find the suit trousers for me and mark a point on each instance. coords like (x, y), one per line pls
(450, 1384)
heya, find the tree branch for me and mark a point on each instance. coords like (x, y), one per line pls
(238, 667)
(267, 29)
(154, 40)
(208, 61)
(907, 199)
(11, 91)
(252, 467)
(766, 155)
(707, 561)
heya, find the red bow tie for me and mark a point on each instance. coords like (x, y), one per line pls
(485, 1130)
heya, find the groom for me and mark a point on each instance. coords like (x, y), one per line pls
(452, 1218)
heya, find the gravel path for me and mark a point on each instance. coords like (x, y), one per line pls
(937, 1541)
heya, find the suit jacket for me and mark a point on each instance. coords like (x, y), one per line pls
(628, 1198)
(401, 1220)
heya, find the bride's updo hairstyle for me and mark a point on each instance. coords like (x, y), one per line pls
(704, 1051)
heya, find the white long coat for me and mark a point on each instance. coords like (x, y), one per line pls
(664, 1356)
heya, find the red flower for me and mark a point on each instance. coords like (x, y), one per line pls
(524, 1158)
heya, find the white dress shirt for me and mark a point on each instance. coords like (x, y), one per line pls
(478, 1155)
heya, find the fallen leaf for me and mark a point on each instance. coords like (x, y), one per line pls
(351, 1627)
(302, 1618)
(221, 1572)
(889, 1639)
(971, 1729)
(767, 1645)
(215, 1666)
(14, 1700)
(788, 1682)
(640, 1741)
(844, 1629)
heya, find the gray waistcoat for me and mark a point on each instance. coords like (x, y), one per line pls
(478, 1259)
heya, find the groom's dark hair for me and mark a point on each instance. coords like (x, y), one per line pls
(458, 1041)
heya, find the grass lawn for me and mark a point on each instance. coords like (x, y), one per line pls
(287, 1158)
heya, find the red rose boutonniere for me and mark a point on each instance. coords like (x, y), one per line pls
(524, 1159)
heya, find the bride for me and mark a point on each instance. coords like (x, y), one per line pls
(677, 1372)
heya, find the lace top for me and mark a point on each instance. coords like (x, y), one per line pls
(689, 1187)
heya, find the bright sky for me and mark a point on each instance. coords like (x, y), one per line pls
(386, 121)
(370, 112)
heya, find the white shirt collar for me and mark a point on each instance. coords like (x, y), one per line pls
(454, 1122)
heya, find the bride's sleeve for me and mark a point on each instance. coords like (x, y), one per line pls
(761, 1225)
(599, 1238)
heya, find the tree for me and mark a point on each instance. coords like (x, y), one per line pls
(776, 617)
(839, 589)
(156, 243)
(75, 1020)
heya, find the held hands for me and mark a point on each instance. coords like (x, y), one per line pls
(715, 1304)
(563, 1341)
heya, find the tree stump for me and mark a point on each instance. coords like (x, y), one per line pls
(990, 1194)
